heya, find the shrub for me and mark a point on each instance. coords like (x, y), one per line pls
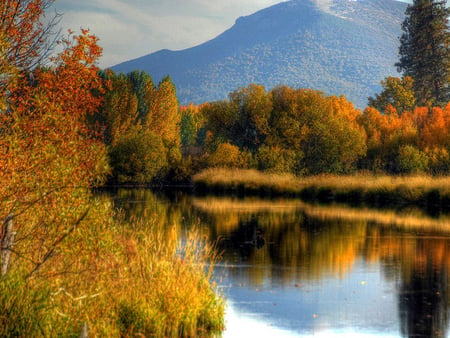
(439, 160)
(226, 155)
(277, 160)
(137, 157)
(411, 160)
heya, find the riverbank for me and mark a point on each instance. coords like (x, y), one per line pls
(432, 193)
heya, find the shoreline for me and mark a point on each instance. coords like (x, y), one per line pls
(430, 193)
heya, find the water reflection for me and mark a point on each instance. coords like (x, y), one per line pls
(302, 269)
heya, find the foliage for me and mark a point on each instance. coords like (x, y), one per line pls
(141, 85)
(311, 132)
(275, 159)
(411, 160)
(333, 139)
(226, 155)
(397, 95)
(424, 51)
(192, 120)
(137, 157)
(133, 107)
(28, 38)
(48, 159)
(425, 129)
(118, 112)
(439, 160)
(163, 118)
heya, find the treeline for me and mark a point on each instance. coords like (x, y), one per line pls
(300, 131)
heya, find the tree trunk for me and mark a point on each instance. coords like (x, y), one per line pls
(7, 243)
(85, 331)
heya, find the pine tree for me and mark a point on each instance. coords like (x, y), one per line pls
(424, 51)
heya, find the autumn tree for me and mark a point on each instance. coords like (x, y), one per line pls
(48, 159)
(26, 38)
(424, 51)
(137, 156)
(192, 120)
(253, 107)
(333, 140)
(396, 95)
(119, 109)
(163, 117)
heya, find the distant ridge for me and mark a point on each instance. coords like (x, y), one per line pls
(340, 47)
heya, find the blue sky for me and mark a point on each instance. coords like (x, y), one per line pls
(131, 28)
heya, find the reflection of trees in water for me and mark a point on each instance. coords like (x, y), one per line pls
(308, 246)
(423, 304)
(423, 293)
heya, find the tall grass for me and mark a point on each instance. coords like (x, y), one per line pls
(133, 278)
(360, 188)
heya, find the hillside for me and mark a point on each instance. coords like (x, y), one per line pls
(339, 47)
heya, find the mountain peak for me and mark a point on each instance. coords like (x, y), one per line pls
(340, 47)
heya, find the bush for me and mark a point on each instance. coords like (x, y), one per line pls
(411, 160)
(277, 160)
(439, 161)
(227, 155)
(137, 157)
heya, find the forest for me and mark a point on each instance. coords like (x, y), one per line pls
(284, 130)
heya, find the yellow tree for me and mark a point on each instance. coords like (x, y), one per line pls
(163, 117)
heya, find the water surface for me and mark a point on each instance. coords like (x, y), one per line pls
(291, 269)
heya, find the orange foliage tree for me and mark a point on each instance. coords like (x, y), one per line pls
(26, 35)
(48, 159)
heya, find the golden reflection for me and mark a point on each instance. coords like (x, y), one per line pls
(294, 242)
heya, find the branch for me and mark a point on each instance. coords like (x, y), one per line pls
(55, 244)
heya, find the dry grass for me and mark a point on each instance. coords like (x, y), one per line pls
(362, 188)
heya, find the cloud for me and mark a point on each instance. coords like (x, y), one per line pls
(130, 29)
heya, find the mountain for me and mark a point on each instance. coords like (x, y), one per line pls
(337, 46)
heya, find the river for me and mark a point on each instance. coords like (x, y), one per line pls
(293, 269)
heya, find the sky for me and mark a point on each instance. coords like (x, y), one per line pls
(128, 29)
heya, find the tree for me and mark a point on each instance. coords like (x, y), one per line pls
(119, 109)
(48, 160)
(137, 156)
(424, 51)
(163, 117)
(26, 35)
(141, 84)
(397, 95)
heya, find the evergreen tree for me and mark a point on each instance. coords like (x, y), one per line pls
(424, 51)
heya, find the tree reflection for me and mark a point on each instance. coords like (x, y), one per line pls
(423, 296)
(312, 242)
(295, 242)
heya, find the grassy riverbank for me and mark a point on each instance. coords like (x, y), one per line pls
(426, 191)
(122, 279)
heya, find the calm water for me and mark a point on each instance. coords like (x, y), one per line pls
(290, 269)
